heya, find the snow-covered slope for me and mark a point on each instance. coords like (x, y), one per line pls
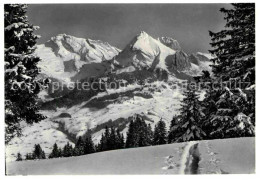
(45, 133)
(64, 55)
(225, 156)
(153, 101)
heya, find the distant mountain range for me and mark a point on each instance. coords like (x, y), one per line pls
(68, 58)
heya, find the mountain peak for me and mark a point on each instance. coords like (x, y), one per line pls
(142, 34)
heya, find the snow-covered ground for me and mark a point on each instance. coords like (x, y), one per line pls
(164, 102)
(224, 156)
(44, 133)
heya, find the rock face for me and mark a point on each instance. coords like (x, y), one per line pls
(198, 57)
(179, 61)
(170, 42)
(194, 59)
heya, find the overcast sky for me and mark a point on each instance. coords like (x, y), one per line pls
(118, 24)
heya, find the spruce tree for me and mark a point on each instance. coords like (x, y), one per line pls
(130, 135)
(174, 131)
(119, 140)
(19, 157)
(234, 66)
(160, 136)
(150, 135)
(191, 117)
(67, 150)
(55, 151)
(107, 142)
(226, 121)
(234, 47)
(60, 153)
(112, 139)
(122, 142)
(139, 134)
(102, 144)
(89, 145)
(38, 153)
(21, 71)
(79, 147)
(28, 156)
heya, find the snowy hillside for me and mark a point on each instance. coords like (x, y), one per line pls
(226, 156)
(153, 101)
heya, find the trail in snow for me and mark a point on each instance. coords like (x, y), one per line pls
(185, 156)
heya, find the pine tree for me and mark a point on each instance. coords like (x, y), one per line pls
(122, 142)
(112, 139)
(29, 156)
(38, 153)
(234, 65)
(60, 153)
(89, 145)
(234, 47)
(174, 131)
(21, 71)
(190, 117)
(102, 144)
(19, 157)
(67, 150)
(55, 151)
(79, 147)
(130, 135)
(226, 121)
(119, 140)
(160, 136)
(107, 143)
(139, 134)
(150, 135)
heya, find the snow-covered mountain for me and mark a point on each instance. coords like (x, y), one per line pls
(63, 56)
(145, 52)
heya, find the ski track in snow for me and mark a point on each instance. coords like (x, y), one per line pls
(185, 156)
